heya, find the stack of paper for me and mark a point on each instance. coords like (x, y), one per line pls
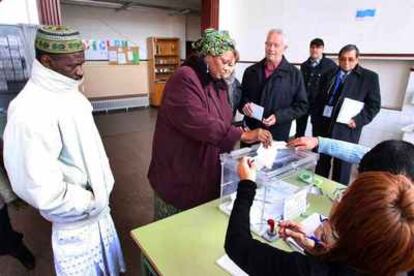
(228, 265)
(349, 109)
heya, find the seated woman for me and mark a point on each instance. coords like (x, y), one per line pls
(370, 231)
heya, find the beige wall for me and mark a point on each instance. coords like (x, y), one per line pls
(106, 80)
(192, 27)
(134, 25)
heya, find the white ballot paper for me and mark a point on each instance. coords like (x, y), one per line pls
(266, 156)
(349, 109)
(228, 265)
(311, 223)
(257, 111)
(295, 204)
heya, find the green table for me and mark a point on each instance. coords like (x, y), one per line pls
(191, 242)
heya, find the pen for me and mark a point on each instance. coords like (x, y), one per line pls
(291, 242)
(315, 239)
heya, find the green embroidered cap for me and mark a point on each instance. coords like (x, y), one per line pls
(214, 43)
(58, 40)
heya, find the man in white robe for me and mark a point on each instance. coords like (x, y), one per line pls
(56, 161)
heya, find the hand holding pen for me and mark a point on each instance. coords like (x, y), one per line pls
(294, 230)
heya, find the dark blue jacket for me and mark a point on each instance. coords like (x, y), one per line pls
(361, 85)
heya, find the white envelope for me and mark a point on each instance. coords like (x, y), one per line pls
(257, 111)
(349, 109)
(266, 156)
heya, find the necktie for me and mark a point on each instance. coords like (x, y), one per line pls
(314, 63)
(338, 81)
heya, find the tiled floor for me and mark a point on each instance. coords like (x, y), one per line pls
(128, 139)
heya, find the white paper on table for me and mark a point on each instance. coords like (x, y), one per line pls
(349, 109)
(295, 204)
(228, 265)
(311, 223)
(267, 156)
(257, 111)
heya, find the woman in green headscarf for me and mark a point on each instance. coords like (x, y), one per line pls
(194, 127)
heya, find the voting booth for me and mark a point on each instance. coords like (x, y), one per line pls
(275, 198)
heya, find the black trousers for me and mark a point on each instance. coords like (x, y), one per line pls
(10, 240)
(301, 124)
(341, 171)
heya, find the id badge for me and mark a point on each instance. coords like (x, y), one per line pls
(327, 111)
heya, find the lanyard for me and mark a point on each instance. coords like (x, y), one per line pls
(340, 77)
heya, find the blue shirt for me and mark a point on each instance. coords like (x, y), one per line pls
(348, 152)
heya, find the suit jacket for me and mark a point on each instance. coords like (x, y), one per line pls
(312, 76)
(362, 85)
(282, 94)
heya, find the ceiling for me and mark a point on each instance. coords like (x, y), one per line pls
(175, 6)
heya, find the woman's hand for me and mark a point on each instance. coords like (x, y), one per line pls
(257, 135)
(246, 169)
(295, 231)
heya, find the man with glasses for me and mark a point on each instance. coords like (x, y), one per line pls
(277, 86)
(353, 85)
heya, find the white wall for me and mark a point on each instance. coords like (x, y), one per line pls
(19, 11)
(248, 21)
(192, 26)
(334, 21)
(134, 25)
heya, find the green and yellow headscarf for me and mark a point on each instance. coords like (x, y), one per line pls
(214, 43)
(58, 40)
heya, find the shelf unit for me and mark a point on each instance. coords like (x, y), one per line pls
(163, 61)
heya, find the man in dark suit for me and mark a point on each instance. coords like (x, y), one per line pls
(276, 85)
(349, 82)
(312, 70)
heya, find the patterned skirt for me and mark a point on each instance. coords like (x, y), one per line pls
(89, 250)
(162, 209)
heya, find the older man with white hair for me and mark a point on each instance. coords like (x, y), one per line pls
(277, 86)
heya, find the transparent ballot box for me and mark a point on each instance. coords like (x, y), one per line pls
(275, 198)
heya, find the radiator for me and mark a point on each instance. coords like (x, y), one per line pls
(122, 103)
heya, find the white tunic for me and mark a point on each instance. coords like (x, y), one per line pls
(56, 162)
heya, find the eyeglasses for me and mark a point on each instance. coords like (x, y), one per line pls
(328, 234)
(350, 59)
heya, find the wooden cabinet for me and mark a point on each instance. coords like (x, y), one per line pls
(163, 61)
(156, 97)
